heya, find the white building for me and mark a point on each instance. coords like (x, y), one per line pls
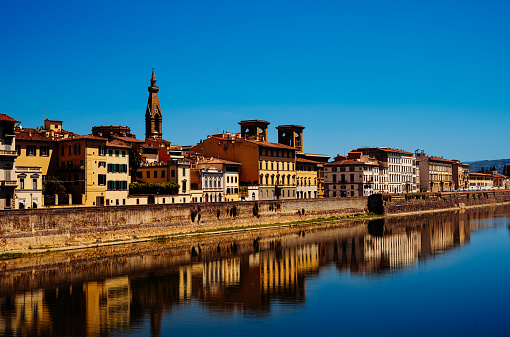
(401, 166)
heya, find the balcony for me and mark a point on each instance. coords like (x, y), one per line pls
(9, 153)
(9, 183)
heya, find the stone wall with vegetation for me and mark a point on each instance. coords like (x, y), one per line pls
(74, 226)
(403, 203)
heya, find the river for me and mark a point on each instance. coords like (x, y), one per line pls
(438, 274)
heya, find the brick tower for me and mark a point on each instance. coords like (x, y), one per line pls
(153, 115)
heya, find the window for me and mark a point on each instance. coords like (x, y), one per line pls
(110, 153)
(123, 153)
(76, 179)
(172, 173)
(184, 171)
(162, 172)
(70, 149)
(102, 150)
(76, 149)
(116, 153)
(31, 149)
(21, 183)
(184, 186)
(34, 183)
(44, 151)
(62, 150)
(155, 174)
(148, 174)
(18, 149)
(101, 179)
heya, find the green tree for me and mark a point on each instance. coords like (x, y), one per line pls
(52, 186)
(135, 160)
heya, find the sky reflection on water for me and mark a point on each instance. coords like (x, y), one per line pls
(441, 274)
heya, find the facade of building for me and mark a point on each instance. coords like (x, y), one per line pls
(480, 181)
(271, 166)
(356, 176)
(8, 155)
(436, 174)
(172, 171)
(400, 166)
(29, 190)
(117, 174)
(35, 149)
(460, 173)
(499, 181)
(230, 178)
(83, 168)
(306, 178)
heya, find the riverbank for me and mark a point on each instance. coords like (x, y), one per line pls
(353, 236)
(40, 230)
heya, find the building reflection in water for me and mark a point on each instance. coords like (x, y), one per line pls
(245, 281)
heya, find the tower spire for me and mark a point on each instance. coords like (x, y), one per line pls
(153, 78)
(153, 115)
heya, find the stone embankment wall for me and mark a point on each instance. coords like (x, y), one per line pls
(74, 226)
(395, 204)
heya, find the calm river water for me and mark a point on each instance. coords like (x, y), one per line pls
(440, 274)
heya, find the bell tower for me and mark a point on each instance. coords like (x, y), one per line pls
(291, 135)
(153, 115)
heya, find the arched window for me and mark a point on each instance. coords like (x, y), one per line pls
(343, 178)
(352, 177)
(334, 178)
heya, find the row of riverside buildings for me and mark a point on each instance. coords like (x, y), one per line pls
(95, 169)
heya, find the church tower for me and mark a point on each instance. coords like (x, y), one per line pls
(153, 115)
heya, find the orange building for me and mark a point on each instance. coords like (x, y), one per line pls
(271, 166)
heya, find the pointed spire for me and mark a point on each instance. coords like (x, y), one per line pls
(153, 78)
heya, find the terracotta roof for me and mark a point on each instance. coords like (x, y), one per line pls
(82, 137)
(389, 149)
(480, 174)
(129, 139)
(301, 160)
(26, 134)
(4, 117)
(274, 145)
(440, 159)
(116, 143)
(349, 162)
(218, 161)
(157, 140)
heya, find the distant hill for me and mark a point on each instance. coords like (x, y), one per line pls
(488, 164)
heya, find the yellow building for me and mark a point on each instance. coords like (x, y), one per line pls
(307, 179)
(117, 173)
(171, 171)
(271, 166)
(480, 181)
(83, 169)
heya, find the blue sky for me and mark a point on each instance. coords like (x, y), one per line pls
(431, 75)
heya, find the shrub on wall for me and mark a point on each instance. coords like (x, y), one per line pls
(154, 188)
